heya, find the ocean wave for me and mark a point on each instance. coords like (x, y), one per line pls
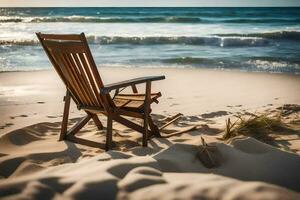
(276, 35)
(269, 64)
(206, 40)
(221, 60)
(21, 42)
(7, 20)
(143, 19)
(118, 19)
(260, 20)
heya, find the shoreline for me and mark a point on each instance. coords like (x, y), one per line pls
(166, 68)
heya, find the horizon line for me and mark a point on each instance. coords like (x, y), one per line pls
(150, 6)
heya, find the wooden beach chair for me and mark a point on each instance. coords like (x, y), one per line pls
(72, 59)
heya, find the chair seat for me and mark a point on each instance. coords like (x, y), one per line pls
(133, 102)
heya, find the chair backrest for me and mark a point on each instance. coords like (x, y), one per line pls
(72, 59)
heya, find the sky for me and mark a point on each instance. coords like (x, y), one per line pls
(146, 3)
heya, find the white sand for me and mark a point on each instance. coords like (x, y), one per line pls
(34, 165)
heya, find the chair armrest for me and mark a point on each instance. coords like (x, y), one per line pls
(107, 88)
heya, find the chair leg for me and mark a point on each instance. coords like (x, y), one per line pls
(97, 121)
(145, 135)
(64, 124)
(109, 133)
(154, 129)
(147, 113)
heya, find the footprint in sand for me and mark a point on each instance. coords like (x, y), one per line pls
(215, 114)
(6, 125)
(13, 117)
(50, 116)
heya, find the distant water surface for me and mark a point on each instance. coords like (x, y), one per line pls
(248, 39)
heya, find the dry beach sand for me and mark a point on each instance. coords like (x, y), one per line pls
(33, 165)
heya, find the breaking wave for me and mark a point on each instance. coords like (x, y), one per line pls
(287, 35)
(207, 40)
(270, 64)
(143, 19)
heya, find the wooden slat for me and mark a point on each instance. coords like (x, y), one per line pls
(65, 47)
(172, 119)
(79, 78)
(94, 109)
(85, 80)
(60, 36)
(74, 78)
(135, 98)
(105, 99)
(91, 78)
(41, 38)
(139, 94)
(67, 78)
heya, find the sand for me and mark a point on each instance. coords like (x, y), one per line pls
(34, 165)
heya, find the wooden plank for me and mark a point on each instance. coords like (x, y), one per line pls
(85, 80)
(134, 114)
(60, 36)
(180, 132)
(172, 120)
(75, 84)
(91, 78)
(139, 94)
(79, 78)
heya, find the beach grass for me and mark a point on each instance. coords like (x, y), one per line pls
(260, 126)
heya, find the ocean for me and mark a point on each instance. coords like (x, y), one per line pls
(245, 39)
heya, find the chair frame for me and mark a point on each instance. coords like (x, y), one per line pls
(104, 102)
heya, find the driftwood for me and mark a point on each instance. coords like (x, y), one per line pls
(171, 120)
(180, 132)
(209, 155)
